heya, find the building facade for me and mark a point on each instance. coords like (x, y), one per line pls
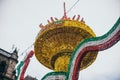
(8, 62)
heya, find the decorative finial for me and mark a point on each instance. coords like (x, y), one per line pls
(64, 16)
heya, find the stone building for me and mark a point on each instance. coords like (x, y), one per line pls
(8, 62)
(29, 78)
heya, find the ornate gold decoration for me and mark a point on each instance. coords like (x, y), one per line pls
(57, 40)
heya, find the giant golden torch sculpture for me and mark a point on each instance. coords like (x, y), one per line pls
(57, 40)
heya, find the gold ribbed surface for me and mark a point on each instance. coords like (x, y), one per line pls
(54, 46)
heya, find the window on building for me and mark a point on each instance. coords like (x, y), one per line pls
(2, 67)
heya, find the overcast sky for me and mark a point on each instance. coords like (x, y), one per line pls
(19, 25)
